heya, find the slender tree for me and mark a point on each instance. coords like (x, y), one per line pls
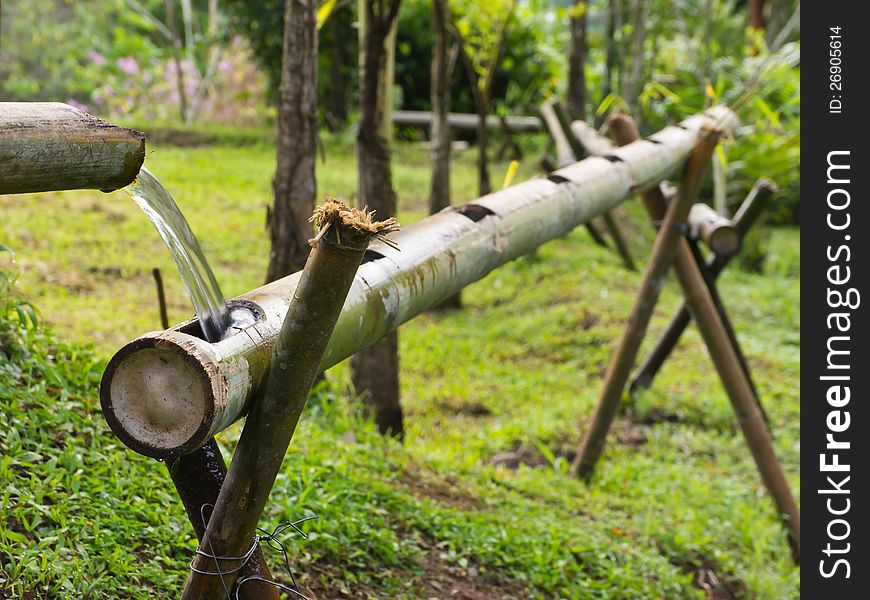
(294, 184)
(756, 14)
(638, 37)
(175, 41)
(375, 370)
(577, 61)
(339, 30)
(439, 195)
(611, 51)
(480, 28)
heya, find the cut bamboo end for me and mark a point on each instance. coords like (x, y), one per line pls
(50, 146)
(718, 233)
(348, 226)
(157, 396)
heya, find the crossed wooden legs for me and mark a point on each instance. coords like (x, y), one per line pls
(671, 247)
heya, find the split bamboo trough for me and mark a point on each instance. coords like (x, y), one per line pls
(167, 393)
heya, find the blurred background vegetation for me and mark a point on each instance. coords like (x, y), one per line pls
(219, 63)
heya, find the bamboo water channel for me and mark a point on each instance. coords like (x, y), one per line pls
(167, 393)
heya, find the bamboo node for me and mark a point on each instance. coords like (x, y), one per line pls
(334, 213)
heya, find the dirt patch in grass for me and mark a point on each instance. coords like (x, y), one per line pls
(445, 491)
(439, 579)
(532, 456)
(185, 138)
(461, 407)
(706, 576)
(628, 433)
(443, 580)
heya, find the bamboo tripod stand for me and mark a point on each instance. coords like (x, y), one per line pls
(673, 248)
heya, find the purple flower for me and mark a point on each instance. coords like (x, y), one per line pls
(78, 105)
(128, 65)
(97, 58)
(225, 66)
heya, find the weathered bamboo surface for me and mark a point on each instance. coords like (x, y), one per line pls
(198, 388)
(422, 118)
(47, 146)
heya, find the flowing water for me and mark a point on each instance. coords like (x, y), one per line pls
(199, 280)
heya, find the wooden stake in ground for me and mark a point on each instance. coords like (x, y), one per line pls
(198, 478)
(344, 235)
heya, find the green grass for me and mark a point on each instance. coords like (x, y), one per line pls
(517, 369)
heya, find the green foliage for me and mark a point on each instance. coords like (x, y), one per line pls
(48, 46)
(482, 26)
(262, 23)
(695, 59)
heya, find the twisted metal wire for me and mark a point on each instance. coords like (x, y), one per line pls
(271, 538)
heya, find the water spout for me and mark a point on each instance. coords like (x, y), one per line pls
(199, 280)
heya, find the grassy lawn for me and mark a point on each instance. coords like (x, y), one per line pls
(676, 509)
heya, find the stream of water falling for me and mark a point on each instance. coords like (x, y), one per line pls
(197, 276)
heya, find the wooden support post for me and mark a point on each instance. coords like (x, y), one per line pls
(46, 146)
(746, 215)
(161, 298)
(663, 252)
(725, 358)
(579, 152)
(338, 249)
(198, 478)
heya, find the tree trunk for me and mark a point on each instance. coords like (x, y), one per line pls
(611, 53)
(618, 25)
(483, 187)
(340, 85)
(481, 107)
(176, 58)
(294, 185)
(577, 63)
(439, 197)
(756, 14)
(375, 370)
(638, 37)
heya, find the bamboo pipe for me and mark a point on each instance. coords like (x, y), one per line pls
(423, 118)
(565, 156)
(314, 309)
(594, 144)
(47, 146)
(718, 233)
(166, 393)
